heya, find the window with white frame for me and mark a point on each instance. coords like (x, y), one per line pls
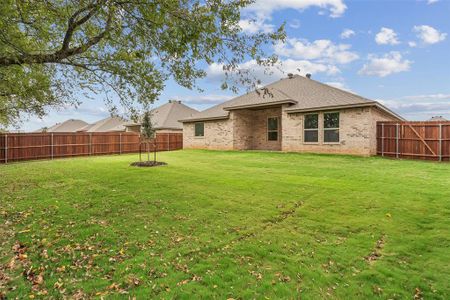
(331, 127)
(272, 129)
(311, 128)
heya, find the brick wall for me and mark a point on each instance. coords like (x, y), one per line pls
(247, 129)
(259, 129)
(377, 115)
(218, 135)
(357, 130)
(242, 129)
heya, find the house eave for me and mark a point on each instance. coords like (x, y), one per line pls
(333, 107)
(337, 107)
(204, 119)
(388, 111)
(168, 128)
(260, 105)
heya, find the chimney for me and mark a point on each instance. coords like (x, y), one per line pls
(308, 75)
(290, 75)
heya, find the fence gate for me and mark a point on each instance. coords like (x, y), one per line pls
(419, 140)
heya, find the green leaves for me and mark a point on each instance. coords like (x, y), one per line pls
(126, 49)
(148, 131)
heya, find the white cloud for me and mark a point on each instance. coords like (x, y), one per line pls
(265, 8)
(412, 44)
(428, 97)
(88, 111)
(347, 33)
(256, 17)
(432, 1)
(386, 36)
(295, 23)
(429, 35)
(339, 85)
(255, 26)
(420, 107)
(389, 63)
(304, 66)
(298, 56)
(266, 75)
(320, 50)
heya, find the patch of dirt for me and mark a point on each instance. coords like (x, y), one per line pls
(148, 164)
(376, 252)
(284, 215)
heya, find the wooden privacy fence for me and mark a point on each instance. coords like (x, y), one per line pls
(419, 140)
(28, 146)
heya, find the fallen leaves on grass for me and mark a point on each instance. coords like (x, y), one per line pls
(257, 275)
(133, 281)
(377, 290)
(35, 277)
(19, 249)
(113, 287)
(79, 295)
(418, 294)
(4, 279)
(376, 252)
(328, 266)
(281, 277)
(29, 272)
(61, 269)
(193, 278)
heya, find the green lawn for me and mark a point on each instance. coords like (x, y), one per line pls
(226, 225)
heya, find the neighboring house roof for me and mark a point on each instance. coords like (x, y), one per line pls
(167, 116)
(109, 124)
(438, 119)
(304, 93)
(71, 125)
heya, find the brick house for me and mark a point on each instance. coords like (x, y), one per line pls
(292, 114)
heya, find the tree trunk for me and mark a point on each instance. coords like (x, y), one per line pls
(140, 151)
(154, 151)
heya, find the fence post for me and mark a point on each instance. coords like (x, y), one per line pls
(168, 142)
(396, 140)
(440, 142)
(382, 139)
(90, 143)
(52, 145)
(6, 148)
(120, 143)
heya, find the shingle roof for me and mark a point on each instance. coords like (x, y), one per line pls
(303, 93)
(109, 124)
(437, 119)
(71, 125)
(167, 116)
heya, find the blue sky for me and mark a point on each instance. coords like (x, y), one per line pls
(396, 52)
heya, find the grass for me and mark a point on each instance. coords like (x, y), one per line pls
(225, 225)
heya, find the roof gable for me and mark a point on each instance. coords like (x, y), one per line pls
(105, 125)
(167, 116)
(303, 93)
(71, 125)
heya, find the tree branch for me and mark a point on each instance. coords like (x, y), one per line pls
(59, 55)
(72, 24)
